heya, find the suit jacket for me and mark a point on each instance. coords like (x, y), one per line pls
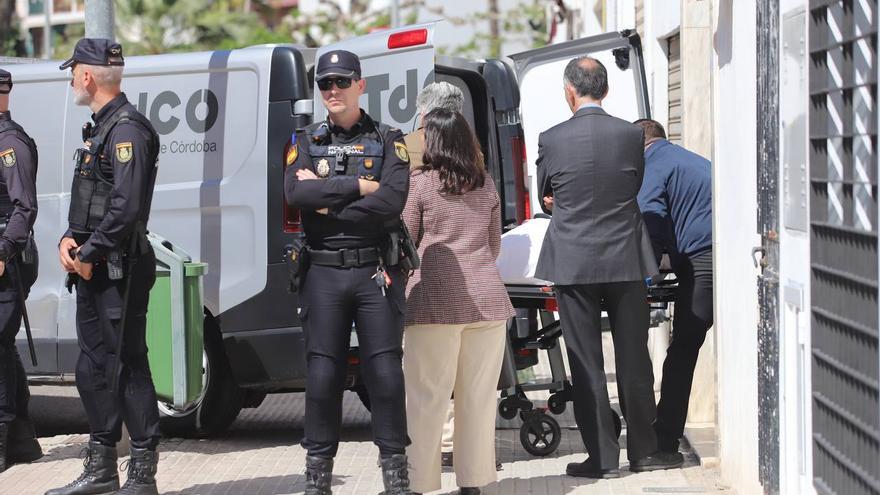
(593, 166)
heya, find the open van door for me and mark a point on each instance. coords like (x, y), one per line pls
(396, 64)
(542, 104)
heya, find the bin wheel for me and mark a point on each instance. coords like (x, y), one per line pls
(220, 401)
(540, 435)
(506, 409)
(556, 404)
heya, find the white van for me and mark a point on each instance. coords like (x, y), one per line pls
(224, 118)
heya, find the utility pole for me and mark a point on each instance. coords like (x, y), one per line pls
(99, 19)
(47, 30)
(395, 13)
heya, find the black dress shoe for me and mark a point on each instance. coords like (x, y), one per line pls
(657, 461)
(468, 490)
(587, 470)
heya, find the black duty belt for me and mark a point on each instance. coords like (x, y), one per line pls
(345, 258)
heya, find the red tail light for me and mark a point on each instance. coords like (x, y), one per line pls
(551, 305)
(520, 180)
(291, 222)
(408, 38)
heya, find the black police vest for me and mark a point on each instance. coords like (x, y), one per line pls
(90, 193)
(362, 158)
(6, 205)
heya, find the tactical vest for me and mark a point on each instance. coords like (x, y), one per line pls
(90, 193)
(6, 205)
(362, 158)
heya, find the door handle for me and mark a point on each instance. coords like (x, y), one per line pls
(763, 261)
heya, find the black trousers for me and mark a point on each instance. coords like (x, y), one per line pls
(332, 298)
(98, 318)
(14, 394)
(693, 318)
(580, 312)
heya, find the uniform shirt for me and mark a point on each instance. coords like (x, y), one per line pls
(353, 221)
(676, 199)
(20, 178)
(133, 180)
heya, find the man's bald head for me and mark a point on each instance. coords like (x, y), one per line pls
(588, 77)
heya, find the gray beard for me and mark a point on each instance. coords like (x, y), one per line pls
(82, 98)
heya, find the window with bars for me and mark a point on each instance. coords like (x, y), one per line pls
(843, 240)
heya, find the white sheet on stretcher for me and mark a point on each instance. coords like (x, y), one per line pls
(520, 249)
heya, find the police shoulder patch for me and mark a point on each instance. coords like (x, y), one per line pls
(401, 151)
(7, 157)
(124, 152)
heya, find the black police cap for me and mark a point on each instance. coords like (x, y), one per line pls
(95, 51)
(338, 63)
(5, 82)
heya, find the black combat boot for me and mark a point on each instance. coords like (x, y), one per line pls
(23, 445)
(395, 475)
(4, 445)
(99, 476)
(319, 474)
(141, 473)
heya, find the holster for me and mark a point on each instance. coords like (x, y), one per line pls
(401, 249)
(296, 256)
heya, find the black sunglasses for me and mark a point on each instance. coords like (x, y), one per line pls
(341, 83)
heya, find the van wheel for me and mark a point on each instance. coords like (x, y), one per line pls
(220, 401)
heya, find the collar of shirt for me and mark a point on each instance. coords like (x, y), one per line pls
(4, 116)
(589, 105)
(109, 108)
(360, 127)
(656, 145)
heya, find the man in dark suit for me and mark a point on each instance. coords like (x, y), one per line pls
(597, 250)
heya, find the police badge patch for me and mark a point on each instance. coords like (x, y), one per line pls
(401, 151)
(123, 152)
(8, 157)
(323, 168)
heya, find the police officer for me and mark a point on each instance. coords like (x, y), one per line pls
(106, 252)
(18, 271)
(349, 175)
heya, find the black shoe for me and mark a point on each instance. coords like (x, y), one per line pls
(395, 475)
(99, 475)
(468, 490)
(141, 473)
(657, 461)
(319, 474)
(23, 445)
(446, 459)
(587, 470)
(4, 445)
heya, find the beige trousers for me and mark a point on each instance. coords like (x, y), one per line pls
(437, 361)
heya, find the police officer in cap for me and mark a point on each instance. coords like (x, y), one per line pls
(349, 175)
(18, 271)
(106, 252)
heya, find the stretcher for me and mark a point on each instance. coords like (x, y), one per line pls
(535, 329)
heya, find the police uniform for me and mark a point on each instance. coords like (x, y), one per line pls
(347, 258)
(110, 203)
(18, 211)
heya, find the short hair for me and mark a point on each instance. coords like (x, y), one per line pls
(440, 95)
(587, 76)
(106, 75)
(653, 129)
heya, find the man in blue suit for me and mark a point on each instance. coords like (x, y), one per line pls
(676, 204)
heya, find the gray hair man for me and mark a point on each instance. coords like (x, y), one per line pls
(435, 95)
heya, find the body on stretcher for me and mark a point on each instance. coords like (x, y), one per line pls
(534, 329)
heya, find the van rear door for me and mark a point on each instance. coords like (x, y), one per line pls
(539, 76)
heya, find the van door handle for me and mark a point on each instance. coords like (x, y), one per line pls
(763, 261)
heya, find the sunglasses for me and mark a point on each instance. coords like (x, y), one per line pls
(341, 83)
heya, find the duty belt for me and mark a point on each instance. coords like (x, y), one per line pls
(345, 258)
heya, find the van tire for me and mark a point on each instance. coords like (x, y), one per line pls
(222, 399)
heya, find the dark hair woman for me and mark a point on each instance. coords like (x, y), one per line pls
(457, 307)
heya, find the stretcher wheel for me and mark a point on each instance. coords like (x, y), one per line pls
(618, 425)
(540, 435)
(556, 404)
(507, 409)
